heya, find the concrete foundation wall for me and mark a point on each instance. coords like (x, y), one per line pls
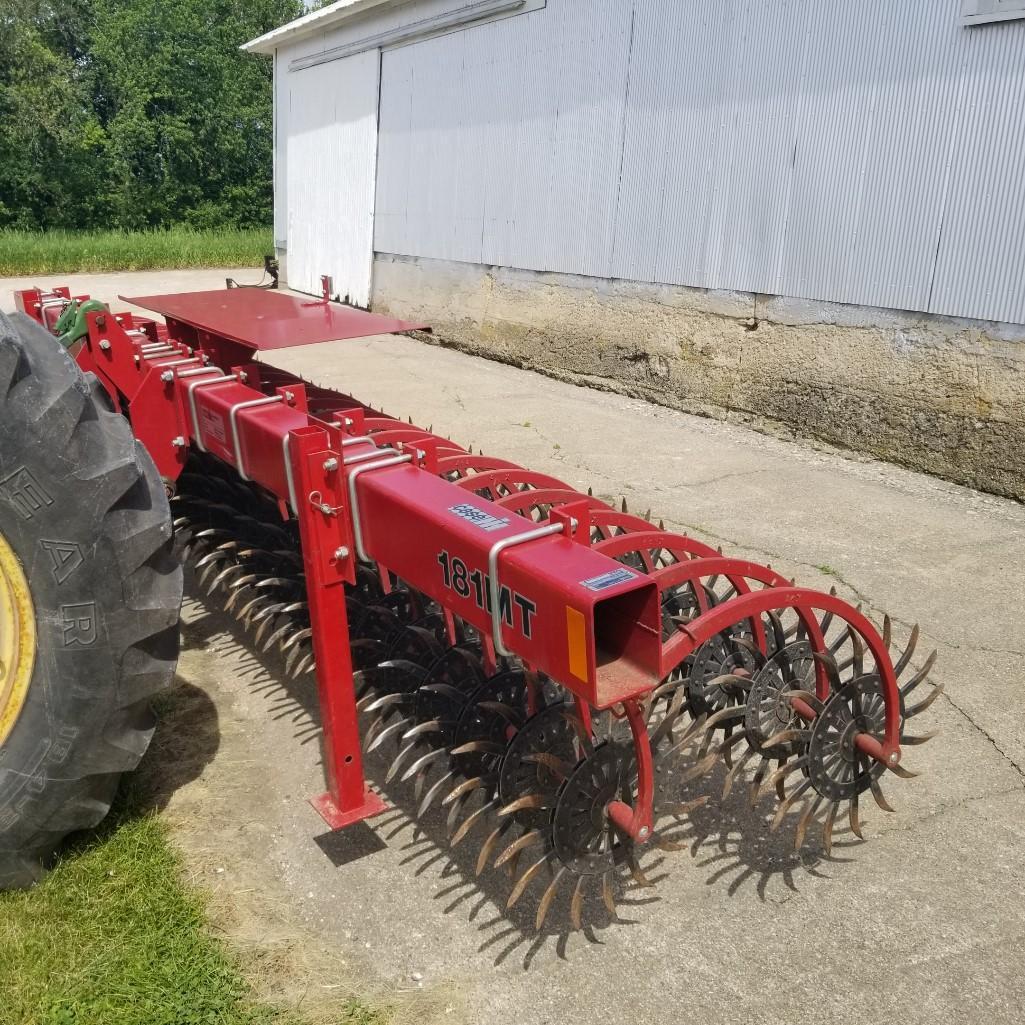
(937, 394)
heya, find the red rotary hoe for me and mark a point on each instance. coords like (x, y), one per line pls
(554, 675)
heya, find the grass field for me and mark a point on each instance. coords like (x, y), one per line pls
(53, 252)
(113, 936)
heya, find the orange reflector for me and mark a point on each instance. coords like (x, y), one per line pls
(576, 642)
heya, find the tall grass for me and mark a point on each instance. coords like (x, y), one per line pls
(68, 252)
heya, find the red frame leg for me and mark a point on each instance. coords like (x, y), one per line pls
(328, 561)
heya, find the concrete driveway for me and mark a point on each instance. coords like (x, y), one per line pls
(922, 923)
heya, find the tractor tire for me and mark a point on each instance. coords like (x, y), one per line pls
(90, 594)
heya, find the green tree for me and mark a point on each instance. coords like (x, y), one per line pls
(135, 113)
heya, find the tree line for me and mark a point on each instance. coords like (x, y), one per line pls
(135, 114)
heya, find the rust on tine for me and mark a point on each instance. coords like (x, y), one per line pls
(553, 763)
(524, 881)
(686, 807)
(805, 821)
(899, 770)
(887, 631)
(827, 829)
(546, 900)
(921, 675)
(858, 656)
(608, 894)
(529, 802)
(802, 789)
(855, 818)
(576, 904)
(925, 702)
(490, 844)
(469, 822)
(735, 771)
(520, 844)
(829, 663)
(909, 741)
(782, 772)
(905, 658)
(636, 873)
(877, 793)
(466, 787)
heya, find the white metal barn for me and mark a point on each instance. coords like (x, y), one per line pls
(865, 154)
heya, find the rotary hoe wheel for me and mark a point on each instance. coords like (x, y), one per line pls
(90, 593)
(791, 691)
(779, 693)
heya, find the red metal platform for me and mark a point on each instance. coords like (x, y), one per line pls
(269, 320)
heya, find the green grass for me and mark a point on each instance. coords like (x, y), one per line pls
(68, 252)
(113, 935)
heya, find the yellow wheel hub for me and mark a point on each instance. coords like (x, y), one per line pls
(17, 639)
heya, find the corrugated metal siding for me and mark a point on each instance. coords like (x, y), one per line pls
(862, 152)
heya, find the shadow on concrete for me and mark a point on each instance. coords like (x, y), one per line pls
(728, 840)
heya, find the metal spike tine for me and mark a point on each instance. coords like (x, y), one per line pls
(576, 905)
(807, 697)
(725, 715)
(423, 761)
(488, 747)
(858, 657)
(805, 821)
(608, 895)
(665, 845)
(910, 741)
(647, 516)
(801, 790)
(470, 822)
(217, 555)
(899, 770)
(887, 631)
(827, 829)
(877, 793)
(679, 810)
(731, 776)
(785, 737)
(549, 896)
(636, 873)
(832, 671)
(376, 736)
(433, 792)
(701, 769)
(902, 662)
(590, 492)
(551, 762)
(375, 702)
(530, 802)
(925, 702)
(783, 772)
(524, 881)
(623, 507)
(300, 635)
(397, 762)
(308, 664)
(839, 642)
(578, 728)
(854, 818)
(489, 845)
(661, 525)
(754, 788)
(434, 726)
(521, 844)
(920, 676)
(466, 787)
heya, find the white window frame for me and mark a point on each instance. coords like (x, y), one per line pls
(986, 12)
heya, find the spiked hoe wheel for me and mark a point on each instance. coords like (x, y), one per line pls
(550, 778)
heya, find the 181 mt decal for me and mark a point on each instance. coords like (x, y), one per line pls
(467, 583)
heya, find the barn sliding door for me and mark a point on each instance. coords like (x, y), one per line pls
(331, 174)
